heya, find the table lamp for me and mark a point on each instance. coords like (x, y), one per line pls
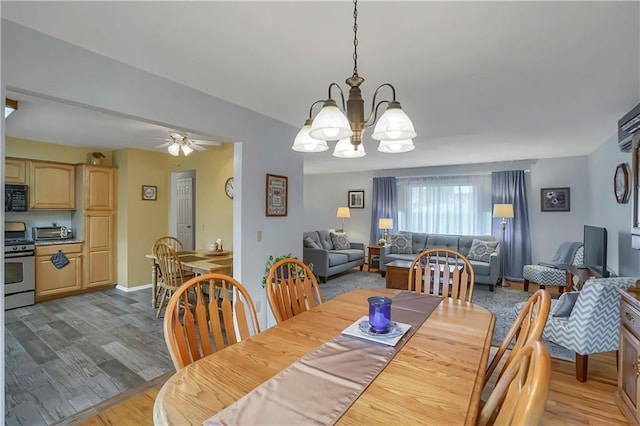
(342, 213)
(504, 212)
(385, 223)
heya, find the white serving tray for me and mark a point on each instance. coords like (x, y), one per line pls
(354, 331)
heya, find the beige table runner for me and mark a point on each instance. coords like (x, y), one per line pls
(322, 385)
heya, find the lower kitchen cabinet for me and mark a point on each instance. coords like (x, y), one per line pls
(53, 282)
(628, 390)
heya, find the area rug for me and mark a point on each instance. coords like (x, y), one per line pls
(501, 302)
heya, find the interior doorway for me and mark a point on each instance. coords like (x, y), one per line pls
(183, 207)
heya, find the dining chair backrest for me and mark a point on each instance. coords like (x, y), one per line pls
(521, 393)
(528, 326)
(171, 272)
(205, 315)
(292, 288)
(443, 272)
(173, 242)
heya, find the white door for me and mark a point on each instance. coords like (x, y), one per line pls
(184, 201)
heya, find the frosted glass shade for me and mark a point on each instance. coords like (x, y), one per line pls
(305, 143)
(330, 125)
(343, 212)
(503, 210)
(344, 149)
(394, 125)
(385, 223)
(186, 150)
(174, 149)
(396, 147)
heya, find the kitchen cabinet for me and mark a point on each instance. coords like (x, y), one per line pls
(96, 221)
(15, 170)
(100, 248)
(98, 186)
(53, 282)
(51, 186)
(626, 395)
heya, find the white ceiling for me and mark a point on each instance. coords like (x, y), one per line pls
(482, 81)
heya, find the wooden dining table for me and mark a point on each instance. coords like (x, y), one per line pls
(435, 378)
(197, 261)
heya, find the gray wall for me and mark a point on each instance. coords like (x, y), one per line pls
(590, 179)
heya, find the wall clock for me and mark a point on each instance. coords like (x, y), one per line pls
(621, 183)
(228, 188)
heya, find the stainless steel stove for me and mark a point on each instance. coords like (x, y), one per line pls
(19, 266)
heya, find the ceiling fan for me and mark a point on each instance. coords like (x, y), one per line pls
(182, 142)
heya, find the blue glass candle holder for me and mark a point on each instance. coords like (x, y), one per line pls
(379, 314)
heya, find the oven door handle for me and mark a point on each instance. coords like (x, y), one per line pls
(14, 255)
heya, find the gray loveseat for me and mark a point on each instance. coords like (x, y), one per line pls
(485, 273)
(328, 261)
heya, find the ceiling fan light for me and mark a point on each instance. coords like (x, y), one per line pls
(396, 147)
(10, 106)
(330, 124)
(394, 125)
(305, 143)
(174, 149)
(344, 149)
(186, 150)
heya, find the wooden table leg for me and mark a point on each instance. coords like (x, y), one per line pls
(154, 283)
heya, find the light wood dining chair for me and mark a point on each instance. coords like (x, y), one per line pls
(177, 246)
(292, 288)
(521, 393)
(172, 242)
(443, 272)
(218, 314)
(528, 326)
(171, 273)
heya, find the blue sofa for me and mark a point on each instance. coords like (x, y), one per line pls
(485, 273)
(326, 260)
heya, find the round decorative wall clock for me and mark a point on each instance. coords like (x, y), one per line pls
(621, 183)
(228, 188)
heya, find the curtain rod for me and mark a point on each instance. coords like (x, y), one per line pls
(450, 175)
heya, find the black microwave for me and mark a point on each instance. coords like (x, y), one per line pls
(16, 198)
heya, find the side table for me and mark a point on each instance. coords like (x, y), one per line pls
(374, 257)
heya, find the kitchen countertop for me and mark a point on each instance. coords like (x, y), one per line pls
(61, 241)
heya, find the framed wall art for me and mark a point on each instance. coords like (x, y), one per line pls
(356, 199)
(276, 203)
(149, 192)
(554, 199)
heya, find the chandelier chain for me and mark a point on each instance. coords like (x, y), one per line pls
(355, 38)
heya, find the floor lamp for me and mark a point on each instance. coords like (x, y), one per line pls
(342, 213)
(504, 212)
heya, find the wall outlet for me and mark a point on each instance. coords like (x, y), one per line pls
(258, 306)
(259, 236)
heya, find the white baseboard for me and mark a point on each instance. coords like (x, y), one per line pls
(136, 288)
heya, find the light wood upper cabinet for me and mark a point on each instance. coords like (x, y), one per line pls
(15, 170)
(51, 281)
(51, 186)
(98, 188)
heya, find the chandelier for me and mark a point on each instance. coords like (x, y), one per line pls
(394, 129)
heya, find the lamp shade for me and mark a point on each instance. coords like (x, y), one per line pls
(394, 125)
(174, 149)
(344, 149)
(330, 124)
(385, 223)
(503, 210)
(305, 143)
(10, 106)
(343, 212)
(396, 147)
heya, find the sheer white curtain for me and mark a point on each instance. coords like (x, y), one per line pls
(445, 204)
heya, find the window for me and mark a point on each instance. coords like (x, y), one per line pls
(445, 204)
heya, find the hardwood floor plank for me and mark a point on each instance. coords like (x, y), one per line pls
(120, 374)
(25, 414)
(36, 348)
(111, 309)
(66, 331)
(52, 404)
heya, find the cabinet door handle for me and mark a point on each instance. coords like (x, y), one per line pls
(629, 317)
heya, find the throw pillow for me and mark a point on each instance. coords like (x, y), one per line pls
(340, 241)
(565, 304)
(309, 243)
(401, 243)
(481, 250)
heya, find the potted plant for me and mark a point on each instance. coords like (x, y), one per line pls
(272, 261)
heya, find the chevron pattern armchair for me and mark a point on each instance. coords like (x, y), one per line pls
(594, 323)
(546, 275)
